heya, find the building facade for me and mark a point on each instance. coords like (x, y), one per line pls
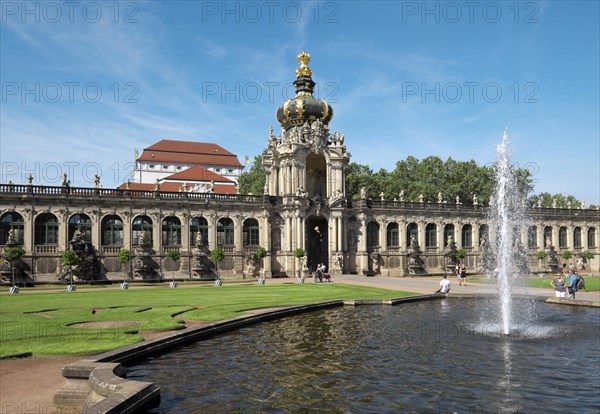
(304, 206)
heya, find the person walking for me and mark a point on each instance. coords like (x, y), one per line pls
(444, 286)
(559, 285)
(462, 275)
(572, 283)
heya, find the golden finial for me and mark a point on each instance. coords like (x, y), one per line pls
(303, 59)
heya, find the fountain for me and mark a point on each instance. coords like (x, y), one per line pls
(505, 213)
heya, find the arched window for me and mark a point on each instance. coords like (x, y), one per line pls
(484, 233)
(448, 232)
(46, 230)
(250, 233)
(412, 230)
(141, 224)
(225, 232)
(516, 235)
(431, 235)
(577, 237)
(547, 236)
(393, 235)
(372, 235)
(467, 236)
(532, 237)
(15, 222)
(591, 236)
(83, 222)
(112, 231)
(198, 225)
(171, 232)
(562, 238)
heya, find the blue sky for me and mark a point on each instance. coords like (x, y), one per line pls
(85, 84)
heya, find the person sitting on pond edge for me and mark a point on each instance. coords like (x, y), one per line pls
(444, 286)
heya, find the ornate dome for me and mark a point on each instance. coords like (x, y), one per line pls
(304, 107)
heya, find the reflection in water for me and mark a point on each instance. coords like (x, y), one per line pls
(421, 357)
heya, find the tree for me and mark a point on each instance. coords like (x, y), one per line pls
(12, 254)
(174, 255)
(253, 181)
(123, 257)
(217, 255)
(261, 252)
(70, 259)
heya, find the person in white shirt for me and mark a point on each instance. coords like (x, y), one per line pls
(444, 285)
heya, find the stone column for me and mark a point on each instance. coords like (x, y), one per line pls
(186, 244)
(212, 230)
(156, 232)
(28, 231)
(476, 237)
(570, 244)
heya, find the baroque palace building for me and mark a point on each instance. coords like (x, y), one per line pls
(304, 205)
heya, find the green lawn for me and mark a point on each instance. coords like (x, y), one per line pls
(40, 323)
(591, 283)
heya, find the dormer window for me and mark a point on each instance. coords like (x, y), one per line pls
(165, 167)
(151, 166)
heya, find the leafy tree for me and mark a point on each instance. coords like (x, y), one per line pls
(261, 252)
(70, 258)
(174, 255)
(253, 181)
(559, 200)
(217, 255)
(124, 256)
(12, 254)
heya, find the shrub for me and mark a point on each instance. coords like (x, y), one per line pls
(541, 255)
(461, 253)
(124, 256)
(567, 255)
(299, 252)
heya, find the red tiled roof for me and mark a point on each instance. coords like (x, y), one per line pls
(187, 152)
(197, 174)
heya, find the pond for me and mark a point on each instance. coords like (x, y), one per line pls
(445, 356)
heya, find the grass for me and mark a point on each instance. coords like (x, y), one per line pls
(42, 323)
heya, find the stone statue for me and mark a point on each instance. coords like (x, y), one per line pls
(212, 187)
(457, 199)
(266, 188)
(582, 205)
(304, 260)
(539, 203)
(376, 261)
(300, 192)
(142, 239)
(382, 196)
(78, 235)
(96, 181)
(127, 185)
(157, 185)
(270, 131)
(29, 179)
(64, 179)
(402, 196)
(415, 263)
(475, 199)
(569, 205)
(363, 193)
(580, 263)
(440, 197)
(339, 262)
(554, 203)
(10, 238)
(421, 198)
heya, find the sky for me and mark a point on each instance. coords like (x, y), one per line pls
(86, 83)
